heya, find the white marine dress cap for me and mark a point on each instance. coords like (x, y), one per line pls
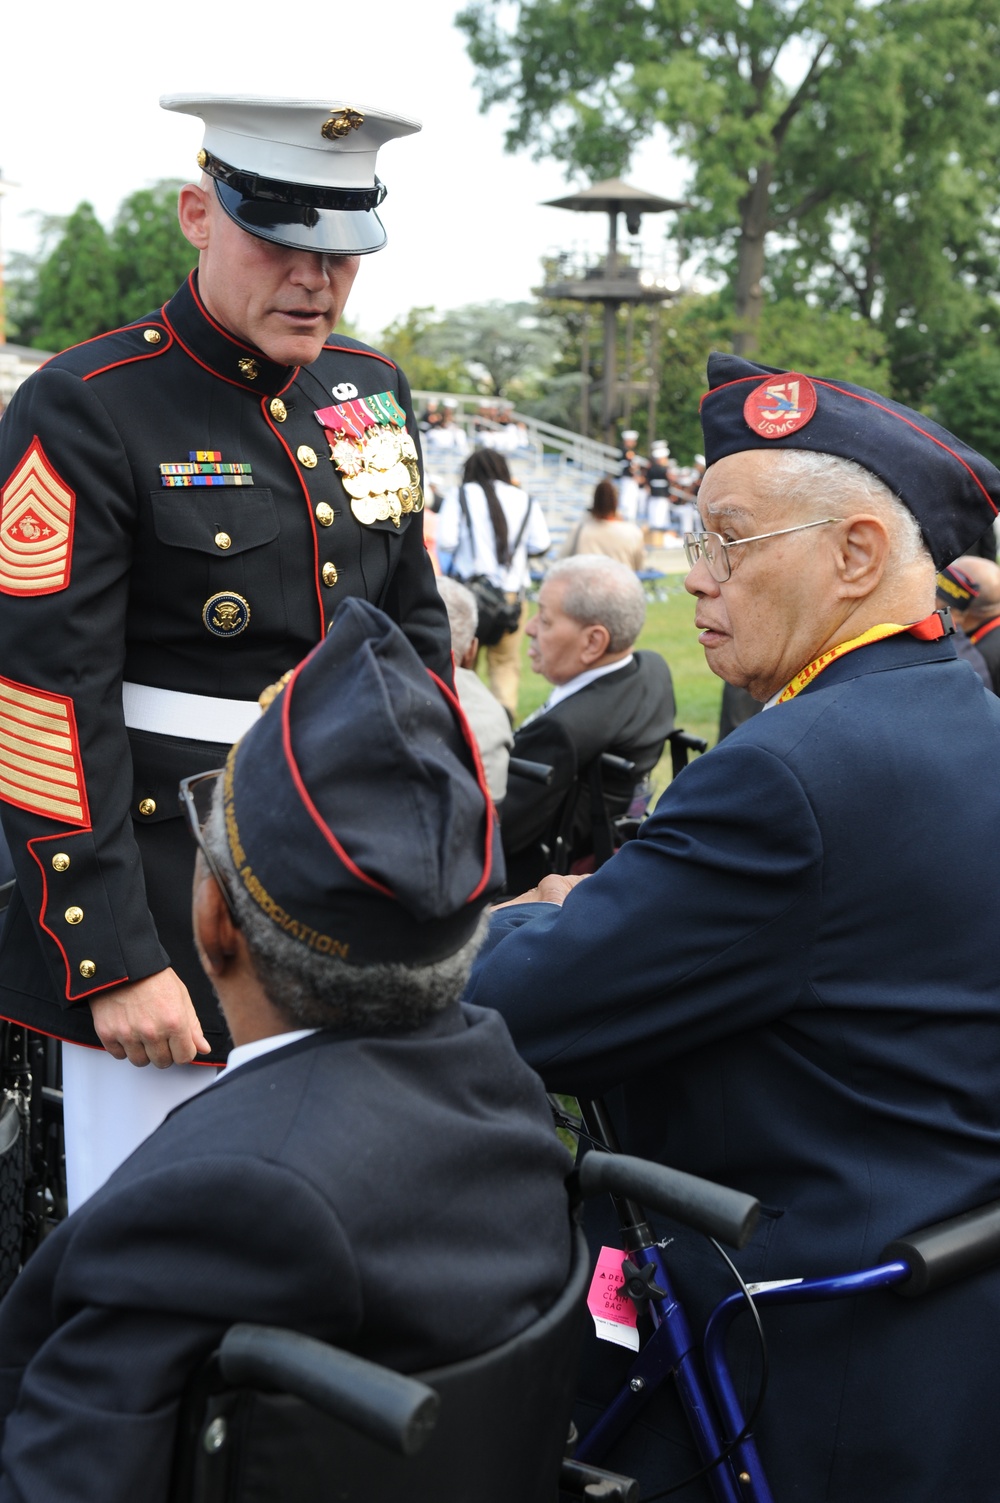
(299, 172)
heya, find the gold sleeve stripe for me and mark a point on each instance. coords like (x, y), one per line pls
(20, 770)
(36, 527)
(44, 753)
(40, 765)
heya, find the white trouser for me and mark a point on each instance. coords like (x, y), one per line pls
(110, 1106)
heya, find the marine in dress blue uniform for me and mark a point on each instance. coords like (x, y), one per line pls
(173, 522)
(779, 983)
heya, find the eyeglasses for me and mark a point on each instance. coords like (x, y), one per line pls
(713, 548)
(196, 796)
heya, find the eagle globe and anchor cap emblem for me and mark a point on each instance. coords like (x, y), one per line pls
(226, 614)
(780, 406)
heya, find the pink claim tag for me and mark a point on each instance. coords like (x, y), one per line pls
(614, 1313)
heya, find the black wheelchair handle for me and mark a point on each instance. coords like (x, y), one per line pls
(389, 1408)
(727, 1214)
(615, 763)
(689, 741)
(948, 1250)
(535, 772)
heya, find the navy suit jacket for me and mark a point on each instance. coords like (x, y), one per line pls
(789, 987)
(630, 713)
(398, 1195)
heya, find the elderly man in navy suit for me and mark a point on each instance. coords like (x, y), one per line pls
(376, 1166)
(606, 697)
(779, 979)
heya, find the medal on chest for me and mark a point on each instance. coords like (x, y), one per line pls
(375, 457)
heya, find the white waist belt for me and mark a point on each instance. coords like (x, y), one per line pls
(167, 712)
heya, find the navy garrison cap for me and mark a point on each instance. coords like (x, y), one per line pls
(356, 809)
(953, 492)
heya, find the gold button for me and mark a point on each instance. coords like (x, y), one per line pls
(278, 410)
(223, 540)
(147, 806)
(60, 862)
(324, 514)
(202, 157)
(152, 336)
(330, 574)
(306, 456)
(87, 969)
(74, 915)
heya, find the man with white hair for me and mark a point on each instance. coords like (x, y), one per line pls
(183, 503)
(484, 712)
(779, 978)
(605, 698)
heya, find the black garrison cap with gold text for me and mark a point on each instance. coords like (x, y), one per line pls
(953, 492)
(298, 172)
(357, 813)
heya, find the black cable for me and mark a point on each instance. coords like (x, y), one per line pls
(747, 1430)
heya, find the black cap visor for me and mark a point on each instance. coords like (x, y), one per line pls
(337, 232)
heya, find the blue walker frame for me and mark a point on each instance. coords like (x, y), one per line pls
(704, 1383)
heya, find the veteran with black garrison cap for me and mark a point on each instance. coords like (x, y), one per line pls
(375, 1167)
(786, 988)
(183, 504)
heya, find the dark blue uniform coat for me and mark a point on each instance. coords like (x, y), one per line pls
(793, 976)
(399, 1196)
(132, 565)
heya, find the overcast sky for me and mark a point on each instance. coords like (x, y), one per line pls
(79, 119)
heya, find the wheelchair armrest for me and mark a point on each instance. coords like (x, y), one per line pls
(390, 1408)
(535, 772)
(948, 1250)
(727, 1214)
(616, 764)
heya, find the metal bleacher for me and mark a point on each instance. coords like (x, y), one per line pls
(557, 467)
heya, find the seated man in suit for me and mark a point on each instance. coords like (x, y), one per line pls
(776, 985)
(375, 1166)
(606, 698)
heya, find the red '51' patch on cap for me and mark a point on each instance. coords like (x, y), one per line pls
(778, 407)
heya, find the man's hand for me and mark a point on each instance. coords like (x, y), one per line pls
(151, 1021)
(551, 889)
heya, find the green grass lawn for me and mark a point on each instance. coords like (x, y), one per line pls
(669, 630)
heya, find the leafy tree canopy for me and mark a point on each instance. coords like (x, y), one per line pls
(498, 349)
(84, 280)
(151, 256)
(856, 141)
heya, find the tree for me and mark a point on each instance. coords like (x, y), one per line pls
(793, 113)
(151, 256)
(964, 398)
(503, 347)
(77, 295)
(408, 340)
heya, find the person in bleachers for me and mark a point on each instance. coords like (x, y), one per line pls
(494, 534)
(606, 697)
(486, 715)
(977, 615)
(602, 530)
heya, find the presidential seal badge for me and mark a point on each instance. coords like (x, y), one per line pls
(226, 614)
(780, 406)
